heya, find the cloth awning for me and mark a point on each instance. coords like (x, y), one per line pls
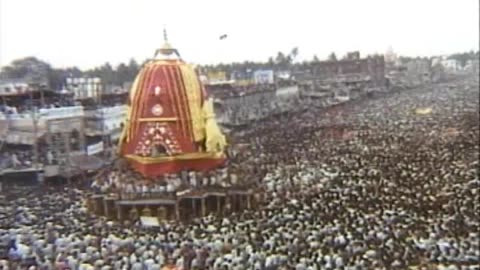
(86, 163)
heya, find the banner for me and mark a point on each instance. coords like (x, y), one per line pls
(263, 77)
(422, 111)
(244, 82)
(217, 76)
(95, 148)
(51, 170)
(149, 221)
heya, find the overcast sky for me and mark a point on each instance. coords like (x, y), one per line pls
(88, 33)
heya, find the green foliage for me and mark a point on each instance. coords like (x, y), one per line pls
(332, 57)
(29, 68)
(37, 71)
(462, 58)
(34, 70)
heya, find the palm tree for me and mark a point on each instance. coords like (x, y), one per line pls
(294, 53)
(270, 62)
(280, 59)
(332, 57)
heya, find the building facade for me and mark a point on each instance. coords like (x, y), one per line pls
(352, 68)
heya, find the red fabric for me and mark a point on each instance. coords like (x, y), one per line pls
(174, 104)
(176, 137)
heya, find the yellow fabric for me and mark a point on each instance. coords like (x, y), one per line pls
(215, 141)
(194, 98)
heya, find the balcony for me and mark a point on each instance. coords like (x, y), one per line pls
(62, 112)
(107, 112)
(47, 114)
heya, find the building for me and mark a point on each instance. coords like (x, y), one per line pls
(106, 122)
(390, 57)
(472, 66)
(12, 87)
(353, 68)
(84, 88)
(418, 66)
(52, 128)
(451, 65)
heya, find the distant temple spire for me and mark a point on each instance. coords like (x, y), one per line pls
(166, 49)
(165, 37)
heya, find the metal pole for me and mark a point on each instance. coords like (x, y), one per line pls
(35, 132)
(35, 136)
(103, 134)
(67, 150)
(42, 96)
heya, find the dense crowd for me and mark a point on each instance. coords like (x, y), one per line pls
(229, 91)
(16, 157)
(387, 183)
(245, 111)
(128, 183)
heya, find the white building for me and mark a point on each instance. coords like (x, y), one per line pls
(83, 88)
(390, 56)
(472, 65)
(108, 120)
(13, 87)
(451, 64)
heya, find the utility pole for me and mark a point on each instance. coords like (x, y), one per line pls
(34, 116)
(66, 167)
(35, 136)
(68, 164)
(105, 132)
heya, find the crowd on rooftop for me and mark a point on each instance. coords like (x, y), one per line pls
(25, 106)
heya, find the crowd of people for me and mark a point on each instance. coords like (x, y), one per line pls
(19, 159)
(130, 184)
(230, 91)
(386, 183)
(256, 107)
(25, 106)
(15, 157)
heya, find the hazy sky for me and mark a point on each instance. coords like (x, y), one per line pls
(88, 33)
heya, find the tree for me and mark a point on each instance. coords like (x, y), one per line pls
(133, 69)
(104, 72)
(121, 74)
(288, 60)
(282, 61)
(294, 53)
(332, 57)
(271, 62)
(463, 58)
(29, 68)
(56, 78)
(315, 59)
